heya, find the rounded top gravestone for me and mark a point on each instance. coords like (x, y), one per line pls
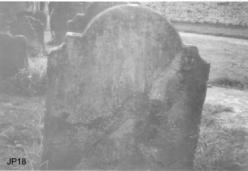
(125, 47)
(126, 84)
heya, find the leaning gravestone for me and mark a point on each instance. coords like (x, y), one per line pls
(124, 94)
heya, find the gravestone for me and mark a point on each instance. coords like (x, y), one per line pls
(124, 94)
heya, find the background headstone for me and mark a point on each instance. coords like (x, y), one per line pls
(125, 94)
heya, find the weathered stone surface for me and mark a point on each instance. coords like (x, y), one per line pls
(13, 56)
(125, 94)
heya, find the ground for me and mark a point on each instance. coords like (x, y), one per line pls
(20, 130)
(228, 58)
(223, 142)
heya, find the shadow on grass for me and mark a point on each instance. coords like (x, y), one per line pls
(229, 83)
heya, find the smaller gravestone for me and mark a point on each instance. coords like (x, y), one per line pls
(124, 95)
(13, 54)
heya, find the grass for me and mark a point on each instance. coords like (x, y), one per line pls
(212, 29)
(220, 148)
(21, 131)
(228, 58)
